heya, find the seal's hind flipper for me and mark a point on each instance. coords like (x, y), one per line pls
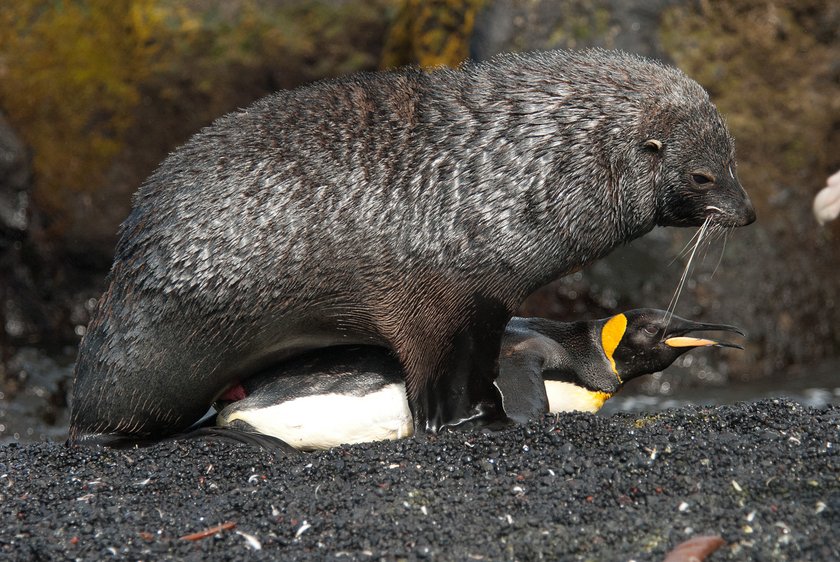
(209, 433)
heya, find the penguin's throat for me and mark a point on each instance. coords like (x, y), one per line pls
(568, 397)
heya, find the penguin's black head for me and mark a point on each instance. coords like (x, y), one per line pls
(695, 155)
(644, 341)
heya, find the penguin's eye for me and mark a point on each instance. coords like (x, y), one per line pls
(650, 330)
(702, 179)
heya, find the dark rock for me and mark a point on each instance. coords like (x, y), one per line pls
(15, 184)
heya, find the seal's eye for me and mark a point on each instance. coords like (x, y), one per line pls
(701, 179)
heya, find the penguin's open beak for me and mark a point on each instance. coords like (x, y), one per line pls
(676, 336)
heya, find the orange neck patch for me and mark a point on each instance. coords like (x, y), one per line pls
(611, 335)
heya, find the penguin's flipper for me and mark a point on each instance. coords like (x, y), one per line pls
(522, 387)
(234, 434)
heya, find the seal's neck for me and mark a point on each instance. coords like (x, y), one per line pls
(572, 210)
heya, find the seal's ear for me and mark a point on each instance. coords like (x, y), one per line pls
(653, 145)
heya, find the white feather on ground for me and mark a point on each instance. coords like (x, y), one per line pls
(827, 201)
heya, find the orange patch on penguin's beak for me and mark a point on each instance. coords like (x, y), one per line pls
(685, 341)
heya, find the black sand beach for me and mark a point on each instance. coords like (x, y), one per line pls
(765, 476)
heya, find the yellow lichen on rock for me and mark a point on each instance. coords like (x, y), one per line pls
(101, 91)
(70, 75)
(431, 33)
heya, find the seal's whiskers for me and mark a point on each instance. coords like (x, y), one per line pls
(688, 246)
(715, 231)
(700, 236)
(726, 232)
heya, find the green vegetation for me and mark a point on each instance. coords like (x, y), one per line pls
(582, 23)
(70, 76)
(771, 68)
(83, 80)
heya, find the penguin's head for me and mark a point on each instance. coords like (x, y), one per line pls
(645, 340)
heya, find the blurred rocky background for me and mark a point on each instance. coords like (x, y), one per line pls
(94, 94)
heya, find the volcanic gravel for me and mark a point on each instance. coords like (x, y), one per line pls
(765, 476)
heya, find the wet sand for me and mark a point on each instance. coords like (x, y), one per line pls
(765, 476)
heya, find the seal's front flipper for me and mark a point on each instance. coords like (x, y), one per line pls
(463, 395)
(448, 406)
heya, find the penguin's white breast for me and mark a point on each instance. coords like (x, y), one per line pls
(328, 420)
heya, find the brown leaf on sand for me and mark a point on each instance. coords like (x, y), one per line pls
(209, 532)
(695, 549)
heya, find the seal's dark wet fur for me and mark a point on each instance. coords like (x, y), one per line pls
(413, 210)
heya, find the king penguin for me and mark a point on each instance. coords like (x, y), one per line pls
(356, 394)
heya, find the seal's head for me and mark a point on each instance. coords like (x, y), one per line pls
(695, 158)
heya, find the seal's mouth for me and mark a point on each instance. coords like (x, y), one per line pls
(723, 217)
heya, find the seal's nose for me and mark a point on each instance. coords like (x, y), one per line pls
(743, 205)
(747, 213)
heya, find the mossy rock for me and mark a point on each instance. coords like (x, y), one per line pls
(101, 91)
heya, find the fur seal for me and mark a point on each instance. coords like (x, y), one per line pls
(357, 394)
(410, 210)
